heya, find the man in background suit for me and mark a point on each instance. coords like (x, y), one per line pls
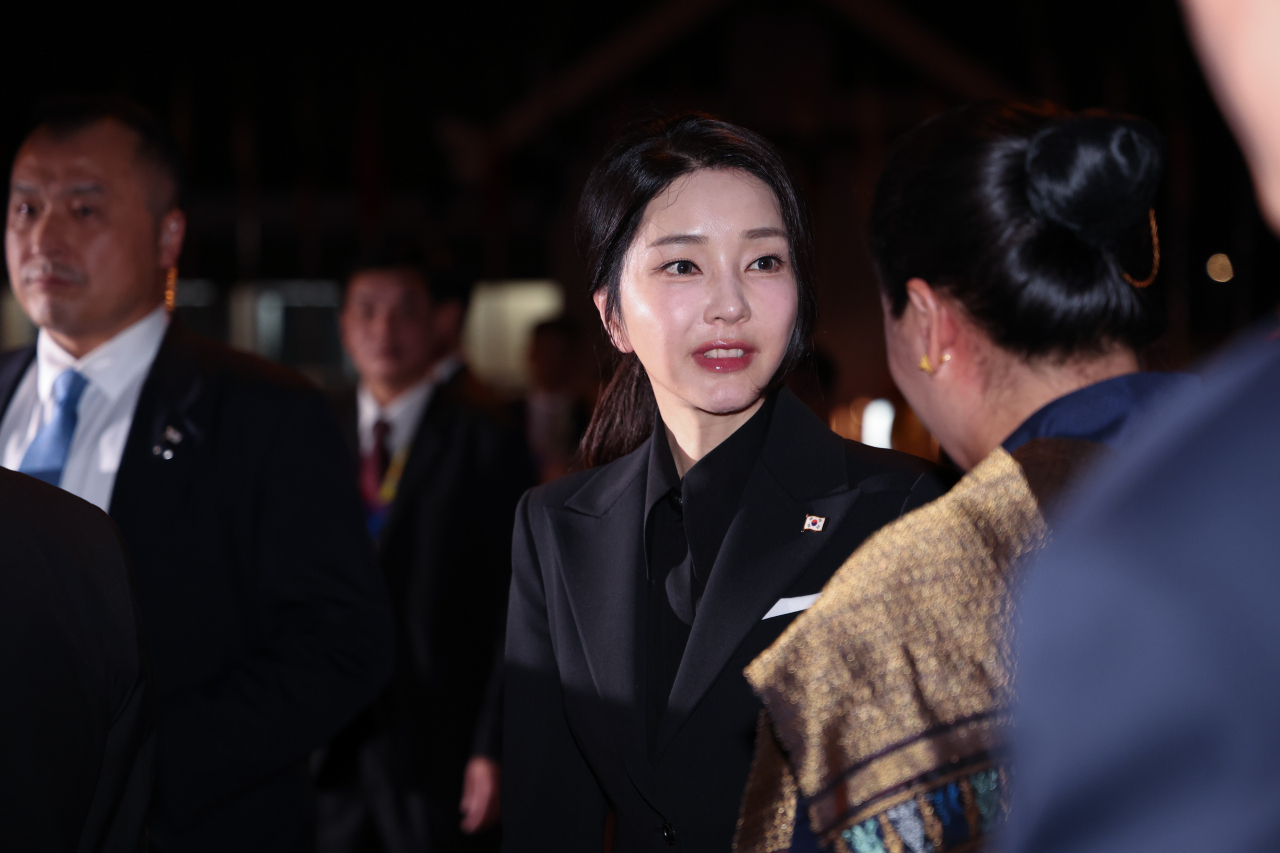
(1149, 642)
(77, 724)
(440, 473)
(265, 617)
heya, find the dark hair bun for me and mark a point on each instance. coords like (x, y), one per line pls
(1095, 175)
(1034, 218)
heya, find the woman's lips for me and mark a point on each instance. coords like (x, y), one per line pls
(724, 356)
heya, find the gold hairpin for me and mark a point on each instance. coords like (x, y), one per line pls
(1155, 256)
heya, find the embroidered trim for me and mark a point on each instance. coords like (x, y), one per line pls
(951, 814)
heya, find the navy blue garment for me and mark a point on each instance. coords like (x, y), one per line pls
(1150, 644)
(1106, 412)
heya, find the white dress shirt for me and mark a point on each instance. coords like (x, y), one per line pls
(116, 371)
(404, 413)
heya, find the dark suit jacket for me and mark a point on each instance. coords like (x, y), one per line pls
(266, 619)
(77, 721)
(445, 551)
(1149, 672)
(575, 708)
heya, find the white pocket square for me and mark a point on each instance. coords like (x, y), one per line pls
(791, 605)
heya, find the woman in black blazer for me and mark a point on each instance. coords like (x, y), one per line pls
(714, 508)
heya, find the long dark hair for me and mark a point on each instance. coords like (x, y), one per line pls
(643, 162)
(1038, 221)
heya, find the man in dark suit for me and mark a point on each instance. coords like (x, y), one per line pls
(440, 473)
(77, 724)
(1149, 642)
(266, 620)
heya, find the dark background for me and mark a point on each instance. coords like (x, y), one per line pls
(315, 134)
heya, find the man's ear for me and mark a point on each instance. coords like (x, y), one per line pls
(616, 331)
(173, 230)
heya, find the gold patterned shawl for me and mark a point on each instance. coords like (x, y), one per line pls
(885, 700)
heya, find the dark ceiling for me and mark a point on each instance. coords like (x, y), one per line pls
(316, 133)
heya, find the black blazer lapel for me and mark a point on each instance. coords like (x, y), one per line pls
(801, 472)
(169, 432)
(600, 533)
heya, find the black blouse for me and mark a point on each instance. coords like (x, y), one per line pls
(685, 524)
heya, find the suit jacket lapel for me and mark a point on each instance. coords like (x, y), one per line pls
(801, 472)
(600, 532)
(169, 430)
(11, 373)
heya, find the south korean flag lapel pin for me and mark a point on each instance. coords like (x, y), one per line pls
(814, 523)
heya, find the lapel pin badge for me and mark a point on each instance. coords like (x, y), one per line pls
(814, 523)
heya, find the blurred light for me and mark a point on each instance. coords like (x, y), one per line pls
(269, 324)
(499, 326)
(1219, 268)
(877, 424)
(195, 293)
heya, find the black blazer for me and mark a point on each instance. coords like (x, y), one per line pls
(576, 740)
(267, 622)
(445, 552)
(77, 722)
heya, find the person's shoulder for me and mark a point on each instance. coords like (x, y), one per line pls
(466, 396)
(875, 469)
(238, 372)
(21, 355)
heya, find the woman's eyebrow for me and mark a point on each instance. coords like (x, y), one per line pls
(675, 239)
(762, 233)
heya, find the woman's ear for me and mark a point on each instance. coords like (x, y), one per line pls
(617, 333)
(934, 322)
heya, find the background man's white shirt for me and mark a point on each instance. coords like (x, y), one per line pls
(116, 371)
(404, 413)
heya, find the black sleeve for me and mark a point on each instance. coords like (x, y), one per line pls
(331, 646)
(550, 795)
(77, 723)
(487, 740)
(508, 473)
(122, 798)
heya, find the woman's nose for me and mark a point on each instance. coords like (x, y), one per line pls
(728, 298)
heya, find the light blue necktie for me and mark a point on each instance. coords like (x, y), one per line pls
(47, 455)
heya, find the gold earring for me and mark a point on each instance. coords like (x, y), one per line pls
(925, 365)
(946, 356)
(171, 289)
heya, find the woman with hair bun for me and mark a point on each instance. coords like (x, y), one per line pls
(715, 508)
(1015, 247)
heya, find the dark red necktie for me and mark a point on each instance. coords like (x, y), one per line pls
(373, 467)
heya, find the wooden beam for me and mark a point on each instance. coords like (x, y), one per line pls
(930, 55)
(602, 67)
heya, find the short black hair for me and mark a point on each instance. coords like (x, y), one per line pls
(1031, 217)
(443, 283)
(66, 115)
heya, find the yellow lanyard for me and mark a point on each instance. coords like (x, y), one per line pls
(391, 480)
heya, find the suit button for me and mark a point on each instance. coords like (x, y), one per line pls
(669, 833)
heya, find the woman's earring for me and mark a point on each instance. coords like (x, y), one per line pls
(946, 356)
(925, 365)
